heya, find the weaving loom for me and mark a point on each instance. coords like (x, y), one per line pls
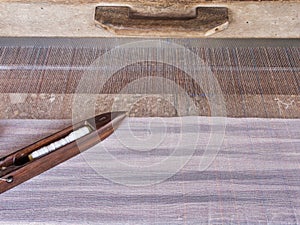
(253, 178)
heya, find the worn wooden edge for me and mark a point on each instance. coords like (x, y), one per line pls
(167, 33)
(154, 3)
(248, 19)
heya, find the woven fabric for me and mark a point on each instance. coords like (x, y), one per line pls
(257, 78)
(253, 179)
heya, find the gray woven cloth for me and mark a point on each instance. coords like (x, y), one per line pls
(253, 179)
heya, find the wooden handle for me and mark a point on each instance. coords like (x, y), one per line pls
(122, 20)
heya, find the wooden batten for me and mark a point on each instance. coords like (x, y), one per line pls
(183, 18)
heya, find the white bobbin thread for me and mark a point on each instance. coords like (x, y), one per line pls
(60, 143)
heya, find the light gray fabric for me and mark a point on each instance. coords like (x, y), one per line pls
(254, 179)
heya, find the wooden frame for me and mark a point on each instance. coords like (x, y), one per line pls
(247, 19)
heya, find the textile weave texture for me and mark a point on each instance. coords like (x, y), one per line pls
(254, 179)
(39, 77)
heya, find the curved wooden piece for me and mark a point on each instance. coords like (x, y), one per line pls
(123, 20)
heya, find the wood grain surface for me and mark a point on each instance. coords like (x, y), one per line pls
(153, 3)
(254, 178)
(75, 18)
